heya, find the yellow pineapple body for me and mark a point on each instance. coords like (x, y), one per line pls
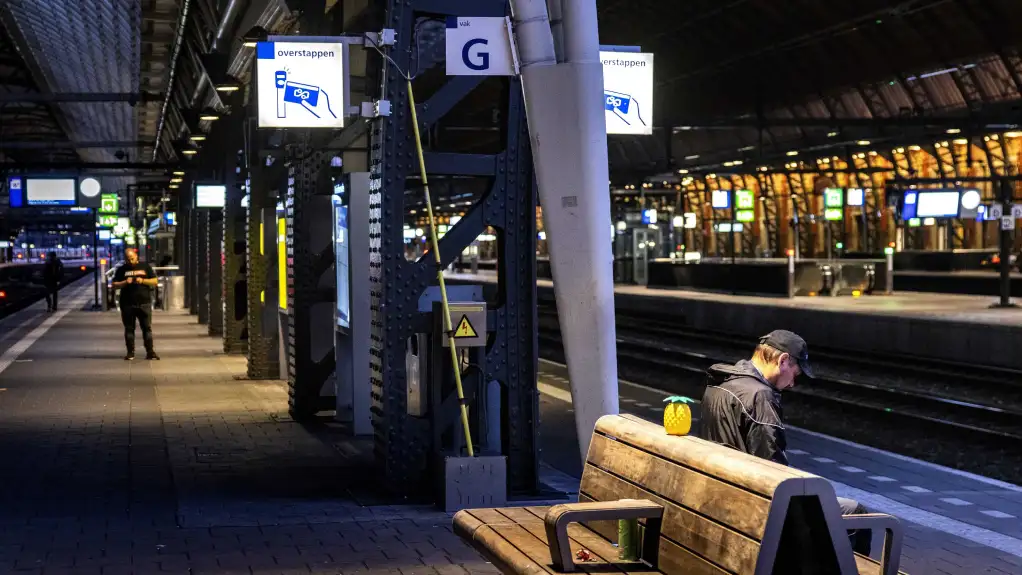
(677, 419)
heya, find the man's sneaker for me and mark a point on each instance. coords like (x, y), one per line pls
(130, 356)
(152, 355)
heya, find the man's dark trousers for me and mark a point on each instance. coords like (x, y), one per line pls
(144, 315)
(51, 296)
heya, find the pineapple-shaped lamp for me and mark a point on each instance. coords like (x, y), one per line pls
(677, 415)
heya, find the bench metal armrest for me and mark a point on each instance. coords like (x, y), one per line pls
(891, 558)
(559, 516)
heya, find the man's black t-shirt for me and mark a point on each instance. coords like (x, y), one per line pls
(135, 294)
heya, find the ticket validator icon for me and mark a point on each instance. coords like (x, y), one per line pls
(304, 95)
(623, 106)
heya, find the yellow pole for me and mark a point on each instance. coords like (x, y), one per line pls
(435, 243)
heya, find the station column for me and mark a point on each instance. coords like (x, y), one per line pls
(261, 244)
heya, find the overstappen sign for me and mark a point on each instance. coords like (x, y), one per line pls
(301, 84)
(628, 92)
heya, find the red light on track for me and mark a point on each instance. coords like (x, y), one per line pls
(3, 294)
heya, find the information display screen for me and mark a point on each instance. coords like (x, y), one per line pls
(50, 191)
(942, 204)
(855, 196)
(104, 235)
(210, 196)
(721, 199)
(341, 256)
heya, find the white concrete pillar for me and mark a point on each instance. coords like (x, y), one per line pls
(569, 145)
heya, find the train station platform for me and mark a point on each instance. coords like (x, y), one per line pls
(182, 465)
(958, 328)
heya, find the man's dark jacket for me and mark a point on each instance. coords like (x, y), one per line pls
(725, 421)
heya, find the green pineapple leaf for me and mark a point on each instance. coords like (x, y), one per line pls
(679, 399)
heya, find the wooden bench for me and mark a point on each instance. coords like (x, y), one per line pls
(703, 509)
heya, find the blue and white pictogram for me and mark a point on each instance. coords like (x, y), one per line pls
(305, 96)
(624, 107)
(301, 84)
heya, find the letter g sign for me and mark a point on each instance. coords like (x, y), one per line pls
(482, 56)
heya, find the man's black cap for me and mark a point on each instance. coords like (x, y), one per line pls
(791, 344)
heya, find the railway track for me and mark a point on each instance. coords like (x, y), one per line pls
(940, 412)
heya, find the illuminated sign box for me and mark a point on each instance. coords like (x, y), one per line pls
(745, 215)
(109, 204)
(721, 199)
(628, 92)
(210, 195)
(302, 84)
(50, 191)
(107, 221)
(937, 204)
(833, 214)
(855, 197)
(745, 199)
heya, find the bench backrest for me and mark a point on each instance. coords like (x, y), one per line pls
(724, 511)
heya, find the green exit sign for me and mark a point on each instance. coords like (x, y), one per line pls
(833, 198)
(745, 215)
(745, 200)
(109, 204)
(107, 221)
(833, 214)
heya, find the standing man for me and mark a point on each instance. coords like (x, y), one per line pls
(136, 280)
(53, 272)
(742, 407)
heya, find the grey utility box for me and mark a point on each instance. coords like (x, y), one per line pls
(471, 482)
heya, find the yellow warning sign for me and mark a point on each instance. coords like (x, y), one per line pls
(465, 329)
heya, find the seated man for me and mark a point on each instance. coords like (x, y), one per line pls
(742, 407)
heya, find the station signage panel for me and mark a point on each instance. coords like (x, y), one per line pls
(210, 195)
(833, 204)
(690, 220)
(855, 197)
(301, 84)
(479, 46)
(745, 215)
(745, 199)
(109, 204)
(628, 92)
(107, 221)
(50, 191)
(720, 199)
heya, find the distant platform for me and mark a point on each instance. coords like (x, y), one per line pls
(959, 328)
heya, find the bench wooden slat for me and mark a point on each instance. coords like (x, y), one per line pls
(508, 558)
(744, 511)
(730, 550)
(677, 559)
(604, 553)
(588, 539)
(753, 473)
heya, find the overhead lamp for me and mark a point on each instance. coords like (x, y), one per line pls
(176, 180)
(197, 137)
(179, 172)
(915, 148)
(954, 131)
(189, 151)
(173, 186)
(793, 152)
(863, 142)
(254, 35)
(682, 171)
(962, 142)
(229, 84)
(209, 115)
(831, 134)
(1010, 135)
